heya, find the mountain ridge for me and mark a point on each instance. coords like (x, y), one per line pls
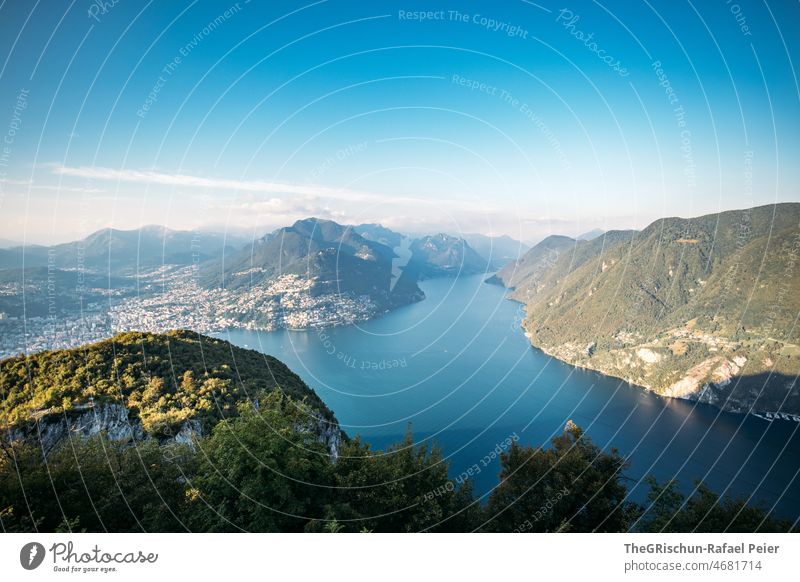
(443, 255)
(691, 308)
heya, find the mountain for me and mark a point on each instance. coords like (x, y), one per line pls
(700, 308)
(332, 258)
(173, 386)
(443, 255)
(552, 259)
(6, 243)
(534, 262)
(592, 234)
(123, 251)
(380, 234)
(497, 250)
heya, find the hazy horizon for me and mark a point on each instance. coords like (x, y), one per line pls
(260, 231)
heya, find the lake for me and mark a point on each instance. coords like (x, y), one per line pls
(459, 368)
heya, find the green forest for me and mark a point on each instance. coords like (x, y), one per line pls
(259, 463)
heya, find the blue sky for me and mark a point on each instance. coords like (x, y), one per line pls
(516, 117)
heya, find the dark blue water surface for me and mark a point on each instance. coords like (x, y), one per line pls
(458, 366)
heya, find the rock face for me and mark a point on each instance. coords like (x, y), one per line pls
(330, 435)
(48, 429)
(721, 380)
(118, 424)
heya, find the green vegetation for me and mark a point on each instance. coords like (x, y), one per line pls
(401, 489)
(258, 473)
(164, 380)
(683, 305)
(703, 512)
(260, 462)
(572, 486)
(94, 485)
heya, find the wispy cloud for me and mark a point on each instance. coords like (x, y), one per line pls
(262, 202)
(186, 180)
(56, 188)
(311, 191)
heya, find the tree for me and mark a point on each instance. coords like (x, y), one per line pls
(94, 485)
(405, 488)
(572, 486)
(704, 511)
(262, 471)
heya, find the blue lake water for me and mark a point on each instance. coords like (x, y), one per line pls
(459, 368)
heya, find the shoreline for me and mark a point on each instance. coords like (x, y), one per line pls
(769, 416)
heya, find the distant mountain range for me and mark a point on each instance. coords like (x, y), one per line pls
(314, 273)
(114, 250)
(366, 259)
(702, 308)
(545, 264)
(498, 251)
(381, 234)
(335, 259)
(589, 235)
(443, 255)
(7, 243)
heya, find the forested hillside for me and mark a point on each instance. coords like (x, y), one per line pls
(702, 308)
(158, 384)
